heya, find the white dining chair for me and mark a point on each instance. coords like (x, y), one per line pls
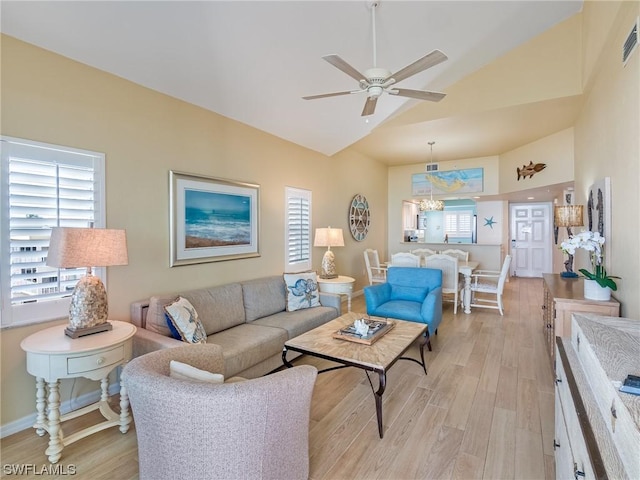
(375, 272)
(450, 277)
(459, 254)
(423, 253)
(489, 282)
(405, 259)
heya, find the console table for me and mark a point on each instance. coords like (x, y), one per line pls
(597, 427)
(51, 355)
(563, 297)
(341, 285)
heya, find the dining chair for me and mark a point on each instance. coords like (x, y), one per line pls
(375, 272)
(423, 253)
(459, 254)
(489, 282)
(405, 259)
(450, 278)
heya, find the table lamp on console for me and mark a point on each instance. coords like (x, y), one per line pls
(328, 237)
(568, 216)
(87, 248)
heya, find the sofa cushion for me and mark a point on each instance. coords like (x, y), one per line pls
(156, 316)
(247, 345)
(184, 371)
(302, 290)
(219, 308)
(263, 297)
(184, 318)
(298, 322)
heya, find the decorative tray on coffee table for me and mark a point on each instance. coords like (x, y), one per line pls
(377, 329)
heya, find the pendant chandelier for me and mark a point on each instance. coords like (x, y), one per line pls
(431, 205)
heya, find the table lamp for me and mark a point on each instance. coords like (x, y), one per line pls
(568, 216)
(328, 237)
(87, 247)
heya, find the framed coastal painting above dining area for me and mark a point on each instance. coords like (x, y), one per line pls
(212, 219)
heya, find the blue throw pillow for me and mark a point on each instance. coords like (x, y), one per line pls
(174, 331)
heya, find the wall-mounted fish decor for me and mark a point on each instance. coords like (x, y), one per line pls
(530, 170)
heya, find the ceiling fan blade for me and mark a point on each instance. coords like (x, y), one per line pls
(325, 95)
(340, 64)
(369, 106)
(428, 61)
(419, 94)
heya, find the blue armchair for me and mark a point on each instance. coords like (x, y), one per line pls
(410, 293)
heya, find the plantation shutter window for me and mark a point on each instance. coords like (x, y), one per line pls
(458, 223)
(44, 186)
(298, 230)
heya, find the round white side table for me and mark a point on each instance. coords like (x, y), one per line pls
(51, 355)
(341, 285)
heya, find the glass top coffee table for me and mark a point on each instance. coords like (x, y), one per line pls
(378, 357)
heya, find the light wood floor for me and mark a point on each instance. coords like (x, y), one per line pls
(484, 410)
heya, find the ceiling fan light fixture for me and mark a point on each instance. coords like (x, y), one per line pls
(375, 91)
(375, 81)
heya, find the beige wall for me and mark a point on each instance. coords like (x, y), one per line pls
(607, 142)
(556, 151)
(144, 134)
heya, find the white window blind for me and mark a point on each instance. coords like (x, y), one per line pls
(43, 186)
(297, 229)
(458, 223)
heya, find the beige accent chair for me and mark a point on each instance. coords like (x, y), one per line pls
(375, 272)
(459, 254)
(450, 277)
(405, 259)
(489, 282)
(423, 253)
(256, 429)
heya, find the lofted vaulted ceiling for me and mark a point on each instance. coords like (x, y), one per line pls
(253, 62)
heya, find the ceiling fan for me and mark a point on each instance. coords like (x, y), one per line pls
(375, 81)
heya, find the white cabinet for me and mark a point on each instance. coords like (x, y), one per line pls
(597, 428)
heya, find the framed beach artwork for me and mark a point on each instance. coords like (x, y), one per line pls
(212, 219)
(468, 180)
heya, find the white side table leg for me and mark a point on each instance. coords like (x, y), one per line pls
(125, 417)
(349, 302)
(104, 389)
(54, 451)
(41, 406)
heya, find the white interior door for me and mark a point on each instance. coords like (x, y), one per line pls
(531, 241)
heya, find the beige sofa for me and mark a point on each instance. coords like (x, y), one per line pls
(247, 319)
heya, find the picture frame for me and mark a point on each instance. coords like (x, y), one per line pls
(212, 219)
(469, 180)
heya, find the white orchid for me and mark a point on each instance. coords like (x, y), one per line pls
(591, 242)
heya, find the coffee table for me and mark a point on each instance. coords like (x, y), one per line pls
(378, 357)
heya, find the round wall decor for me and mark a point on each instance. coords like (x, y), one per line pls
(359, 217)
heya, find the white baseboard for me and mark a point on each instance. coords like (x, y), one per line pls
(65, 407)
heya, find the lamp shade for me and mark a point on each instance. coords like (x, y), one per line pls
(87, 247)
(568, 216)
(328, 237)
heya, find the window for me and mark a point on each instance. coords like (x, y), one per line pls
(297, 230)
(458, 223)
(43, 186)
